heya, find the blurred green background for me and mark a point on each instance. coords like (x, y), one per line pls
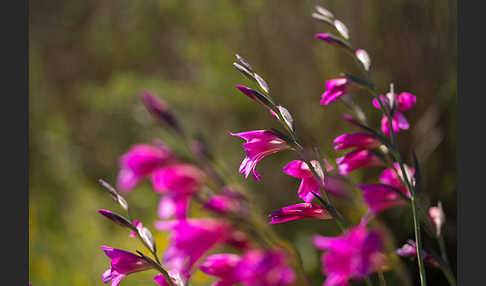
(89, 60)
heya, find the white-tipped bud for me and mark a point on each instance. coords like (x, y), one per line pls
(363, 58)
(342, 29)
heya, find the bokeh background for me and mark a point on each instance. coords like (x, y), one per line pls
(89, 60)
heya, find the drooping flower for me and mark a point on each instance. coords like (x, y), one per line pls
(379, 197)
(402, 102)
(360, 140)
(190, 239)
(140, 161)
(178, 182)
(122, 264)
(222, 204)
(335, 88)
(299, 211)
(259, 144)
(356, 159)
(353, 255)
(409, 249)
(394, 177)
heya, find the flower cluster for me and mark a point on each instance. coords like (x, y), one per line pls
(251, 254)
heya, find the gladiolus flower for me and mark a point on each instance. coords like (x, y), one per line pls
(360, 140)
(335, 88)
(299, 211)
(122, 264)
(309, 184)
(221, 266)
(389, 176)
(140, 161)
(409, 249)
(259, 144)
(403, 102)
(178, 182)
(300, 170)
(255, 268)
(353, 255)
(190, 239)
(264, 268)
(357, 159)
(379, 197)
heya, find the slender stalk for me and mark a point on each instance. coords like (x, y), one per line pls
(396, 153)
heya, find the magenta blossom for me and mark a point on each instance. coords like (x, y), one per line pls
(259, 144)
(356, 159)
(178, 183)
(192, 238)
(264, 268)
(402, 102)
(222, 266)
(409, 249)
(335, 88)
(122, 264)
(394, 177)
(379, 197)
(299, 169)
(222, 204)
(140, 161)
(360, 140)
(353, 255)
(299, 211)
(255, 268)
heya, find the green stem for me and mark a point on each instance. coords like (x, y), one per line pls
(396, 152)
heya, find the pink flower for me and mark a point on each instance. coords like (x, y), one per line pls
(379, 197)
(335, 88)
(255, 268)
(353, 255)
(222, 266)
(140, 161)
(299, 211)
(192, 238)
(299, 169)
(122, 264)
(264, 268)
(409, 249)
(178, 183)
(403, 102)
(309, 184)
(356, 159)
(389, 176)
(222, 204)
(259, 144)
(360, 140)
